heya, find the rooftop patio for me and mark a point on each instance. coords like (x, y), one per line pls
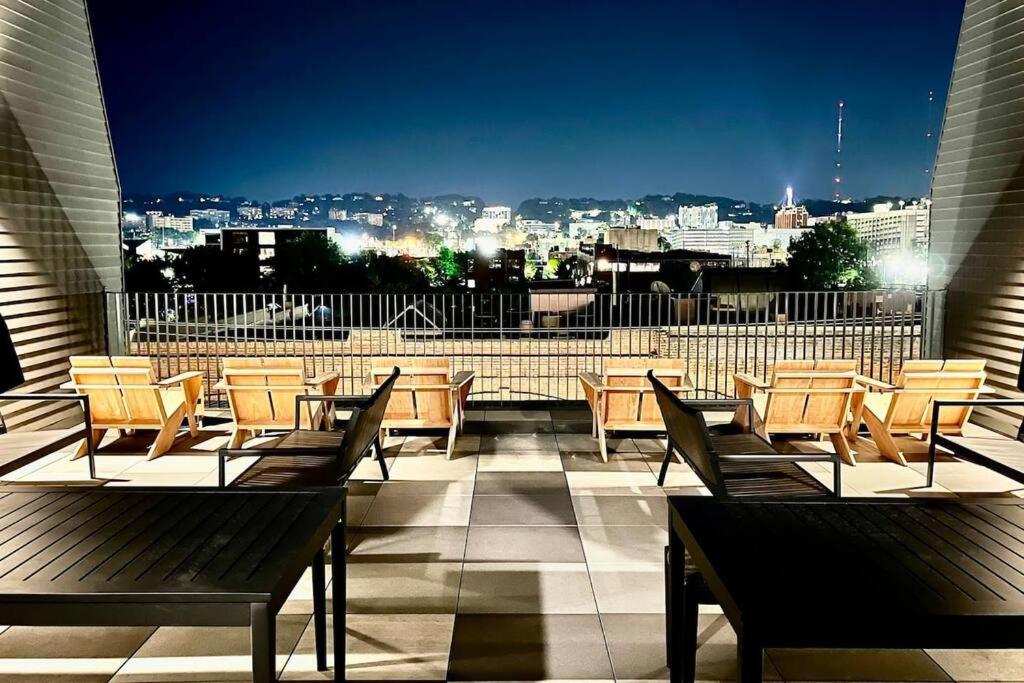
(524, 557)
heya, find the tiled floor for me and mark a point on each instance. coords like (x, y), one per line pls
(524, 557)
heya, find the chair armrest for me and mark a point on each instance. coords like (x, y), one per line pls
(750, 380)
(939, 404)
(336, 399)
(180, 377)
(462, 377)
(873, 383)
(592, 380)
(323, 378)
(718, 404)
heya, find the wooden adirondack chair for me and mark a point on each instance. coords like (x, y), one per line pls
(906, 406)
(805, 397)
(426, 396)
(624, 400)
(262, 395)
(124, 394)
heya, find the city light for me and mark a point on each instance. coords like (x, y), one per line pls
(442, 219)
(486, 246)
(350, 245)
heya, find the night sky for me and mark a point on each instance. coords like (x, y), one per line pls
(507, 100)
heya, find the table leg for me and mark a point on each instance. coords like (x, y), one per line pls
(263, 637)
(320, 610)
(750, 657)
(338, 597)
(682, 624)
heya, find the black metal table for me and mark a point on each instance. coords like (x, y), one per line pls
(857, 573)
(171, 557)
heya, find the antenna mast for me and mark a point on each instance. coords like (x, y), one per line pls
(837, 179)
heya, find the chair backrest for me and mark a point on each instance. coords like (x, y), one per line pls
(422, 393)
(264, 398)
(924, 381)
(364, 426)
(631, 400)
(817, 405)
(688, 432)
(121, 389)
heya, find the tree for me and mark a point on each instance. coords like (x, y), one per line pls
(309, 263)
(146, 275)
(832, 256)
(209, 269)
(448, 269)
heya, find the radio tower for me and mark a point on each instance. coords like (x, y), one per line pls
(928, 158)
(837, 178)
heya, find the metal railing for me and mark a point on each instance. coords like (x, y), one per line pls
(528, 346)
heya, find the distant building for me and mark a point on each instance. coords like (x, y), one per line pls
(791, 217)
(903, 230)
(155, 220)
(215, 217)
(698, 217)
(587, 230)
(250, 213)
(636, 239)
(497, 213)
(285, 212)
(626, 270)
(659, 224)
(336, 213)
(369, 218)
(536, 226)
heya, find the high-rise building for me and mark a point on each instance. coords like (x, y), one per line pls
(336, 213)
(789, 215)
(703, 217)
(250, 213)
(155, 220)
(890, 230)
(659, 224)
(493, 219)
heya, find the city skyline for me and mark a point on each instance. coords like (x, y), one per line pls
(507, 102)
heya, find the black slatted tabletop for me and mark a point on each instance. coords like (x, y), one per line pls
(159, 556)
(856, 572)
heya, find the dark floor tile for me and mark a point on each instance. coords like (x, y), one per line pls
(523, 510)
(572, 426)
(582, 414)
(524, 544)
(507, 427)
(515, 483)
(530, 647)
(396, 544)
(519, 441)
(579, 461)
(636, 643)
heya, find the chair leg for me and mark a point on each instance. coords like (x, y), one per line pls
(602, 442)
(883, 439)
(450, 447)
(165, 437)
(931, 464)
(380, 458)
(238, 437)
(83, 448)
(664, 465)
(842, 447)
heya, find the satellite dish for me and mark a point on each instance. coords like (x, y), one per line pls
(659, 287)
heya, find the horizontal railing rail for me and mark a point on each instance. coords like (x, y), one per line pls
(528, 346)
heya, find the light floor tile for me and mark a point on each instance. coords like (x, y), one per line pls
(623, 544)
(637, 588)
(612, 483)
(434, 468)
(716, 651)
(193, 653)
(419, 511)
(524, 544)
(511, 443)
(576, 461)
(403, 588)
(437, 487)
(636, 645)
(981, 665)
(58, 653)
(523, 509)
(621, 510)
(520, 462)
(433, 445)
(400, 544)
(526, 587)
(403, 647)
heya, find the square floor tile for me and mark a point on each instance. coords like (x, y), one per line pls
(433, 445)
(621, 510)
(528, 648)
(428, 467)
(496, 483)
(381, 647)
(716, 650)
(636, 643)
(396, 544)
(623, 544)
(511, 427)
(634, 587)
(524, 544)
(518, 442)
(613, 483)
(437, 487)
(406, 588)
(419, 511)
(59, 653)
(520, 462)
(856, 665)
(981, 665)
(204, 653)
(575, 461)
(513, 415)
(523, 509)
(526, 587)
